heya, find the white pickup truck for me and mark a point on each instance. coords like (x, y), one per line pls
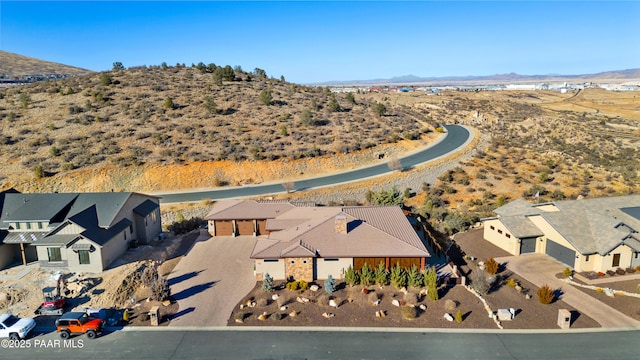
(14, 327)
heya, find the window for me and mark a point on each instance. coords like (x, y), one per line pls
(331, 259)
(499, 231)
(304, 261)
(616, 260)
(586, 258)
(28, 226)
(292, 261)
(54, 254)
(154, 217)
(271, 260)
(131, 229)
(39, 225)
(83, 257)
(508, 236)
(17, 226)
(492, 227)
(636, 255)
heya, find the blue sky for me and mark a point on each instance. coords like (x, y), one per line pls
(321, 41)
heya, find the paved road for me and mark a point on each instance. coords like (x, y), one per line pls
(541, 269)
(211, 279)
(456, 137)
(336, 344)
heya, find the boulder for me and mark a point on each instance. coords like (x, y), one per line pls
(293, 313)
(448, 317)
(274, 297)
(262, 317)
(314, 288)
(333, 303)
(327, 315)
(423, 307)
(283, 308)
(395, 302)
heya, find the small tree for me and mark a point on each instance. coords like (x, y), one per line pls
(350, 98)
(333, 105)
(105, 79)
(306, 117)
(160, 289)
(168, 103)
(25, 100)
(210, 105)
(117, 66)
(491, 266)
(351, 276)
(288, 186)
(546, 295)
(379, 109)
(431, 281)
(266, 98)
(267, 283)
(381, 275)
(481, 281)
(330, 285)
(394, 164)
(39, 172)
(398, 276)
(415, 277)
(366, 275)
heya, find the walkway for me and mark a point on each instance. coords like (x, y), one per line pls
(20, 274)
(541, 269)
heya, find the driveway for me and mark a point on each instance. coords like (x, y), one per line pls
(211, 279)
(541, 269)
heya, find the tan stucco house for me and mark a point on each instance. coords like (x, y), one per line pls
(597, 234)
(310, 242)
(83, 232)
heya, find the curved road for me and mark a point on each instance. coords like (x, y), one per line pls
(456, 137)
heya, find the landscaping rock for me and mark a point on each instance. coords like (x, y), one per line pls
(448, 317)
(333, 303)
(283, 308)
(293, 313)
(609, 292)
(395, 302)
(239, 321)
(274, 297)
(423, 307)
(262, 317)
(314, 288)
(327, 315)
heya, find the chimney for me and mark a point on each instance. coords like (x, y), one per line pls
(341, 223)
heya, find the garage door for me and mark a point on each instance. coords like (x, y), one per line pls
(561, 253)
(528, 246)
(245, 227)
(224, 227)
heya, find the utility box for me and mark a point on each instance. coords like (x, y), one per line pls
(564, 318)
(154, 316)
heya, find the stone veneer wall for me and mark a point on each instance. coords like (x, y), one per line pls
(299, 270)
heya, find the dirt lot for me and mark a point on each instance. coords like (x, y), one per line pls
(117, 288)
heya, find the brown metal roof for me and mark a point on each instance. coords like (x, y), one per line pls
(247, 209)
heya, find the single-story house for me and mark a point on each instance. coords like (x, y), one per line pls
(597, 234)
(82, 232)
(310, 242)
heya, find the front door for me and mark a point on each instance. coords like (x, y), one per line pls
(616, 260)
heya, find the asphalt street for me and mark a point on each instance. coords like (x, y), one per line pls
(335, 344)
(456, 137)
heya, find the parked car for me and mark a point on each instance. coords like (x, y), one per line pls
(15, 328)
(78, 323)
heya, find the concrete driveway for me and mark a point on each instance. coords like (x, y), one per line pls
(211, 279)
(541, 269)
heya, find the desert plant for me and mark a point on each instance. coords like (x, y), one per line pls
(303, 285)
(481, 281)
(458, 316)
(381, 275)
(450, 305)
(351, 276)
(511, 283)
(149, 276)
(545, 294)
(262, 301)
(415, 277)
(240, 316)
(366, 275)
(491, 266)
(168, 103)
(410, 298)
(329, 285)
(267, 283)
(567, 272)
(398, 276)
(266, 98)
(38, 172)
(431, 281)
(372, 297)
(160, 289)
(409, 312)
(276, 316)
(293, 285)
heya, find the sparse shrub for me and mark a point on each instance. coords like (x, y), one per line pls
(323, 299)
(620, 271)
(458, 316)
(329, 285)
(239, 316)
(450, 305)
(168, 103)
(293, 285)
(481, 281)
(411, 298)
(160, 289)
(398, 276)
(262, 302)
(38, 172)
(491, 266)
(351, 276)
(409, 312)
(511, 283)
(567, 272)
(545, 294)
(149, 275)
(276, 316)
(303, 285)
(267, 283)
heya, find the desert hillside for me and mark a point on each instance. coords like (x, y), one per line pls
(140, 126)
(18, 67)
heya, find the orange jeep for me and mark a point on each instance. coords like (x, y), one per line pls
(78, 323)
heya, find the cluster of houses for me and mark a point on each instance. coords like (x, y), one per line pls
(87, 232)
(561, 87)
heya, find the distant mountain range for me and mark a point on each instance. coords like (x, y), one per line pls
(616, 75)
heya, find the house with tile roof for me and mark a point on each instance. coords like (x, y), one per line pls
(309, 242)
(82, 232)
(597, 234)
